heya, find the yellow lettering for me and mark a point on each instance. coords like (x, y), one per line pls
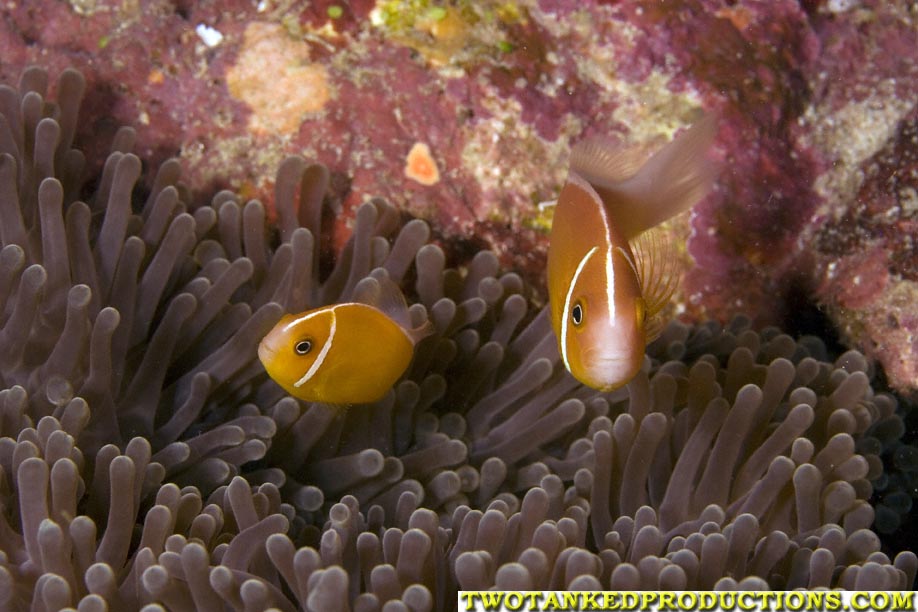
(570, 600)
(517, 600)
(630, 600)
(687, 600)
(879, 600)
(610, 600)
(589, 601)
(903, 600)
(667, 601)
(813, 600)
(832, 601)
(491, 599)
(794, 601)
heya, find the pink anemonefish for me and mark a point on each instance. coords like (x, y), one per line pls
(608, 277)
(349, 353)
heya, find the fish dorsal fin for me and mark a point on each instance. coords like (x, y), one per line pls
(381, 292)
(639, 195)
(656, 266)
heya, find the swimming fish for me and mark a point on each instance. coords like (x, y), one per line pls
(608, 276)
(350, 353)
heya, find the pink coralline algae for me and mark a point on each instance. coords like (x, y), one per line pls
(868, 260)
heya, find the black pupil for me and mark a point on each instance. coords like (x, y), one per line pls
(577, 314)
(302, 347)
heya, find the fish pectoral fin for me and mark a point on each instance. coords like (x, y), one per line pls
(657, 269)
(653, 327)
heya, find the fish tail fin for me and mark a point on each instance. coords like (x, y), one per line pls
(381, 292)
(422, 329)
(641, 196)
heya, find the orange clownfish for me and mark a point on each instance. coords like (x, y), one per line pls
(608, 280)
(350, 353)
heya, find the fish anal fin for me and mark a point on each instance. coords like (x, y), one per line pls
(657, 267)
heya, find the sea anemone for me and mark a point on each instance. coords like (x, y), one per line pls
(147, 462)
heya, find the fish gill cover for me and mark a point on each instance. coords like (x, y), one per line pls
(147, 462)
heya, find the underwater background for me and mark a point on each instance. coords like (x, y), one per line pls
(175, 176)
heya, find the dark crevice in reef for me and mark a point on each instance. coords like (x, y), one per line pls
(803, 317)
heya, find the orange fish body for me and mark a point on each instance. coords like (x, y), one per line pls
(350, 353)
(607, 279)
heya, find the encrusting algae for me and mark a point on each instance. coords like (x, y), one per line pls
(275, 77)
(420, 165)
(147, 462)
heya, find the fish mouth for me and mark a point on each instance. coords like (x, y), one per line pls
(266, 354)
(608, 374)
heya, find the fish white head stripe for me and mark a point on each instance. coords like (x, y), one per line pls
(323, 353)
(311, 315)
(610, 248)
(610, 284)
(566, 312)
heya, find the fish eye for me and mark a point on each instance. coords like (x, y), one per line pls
(577, 313)
(302, 347)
